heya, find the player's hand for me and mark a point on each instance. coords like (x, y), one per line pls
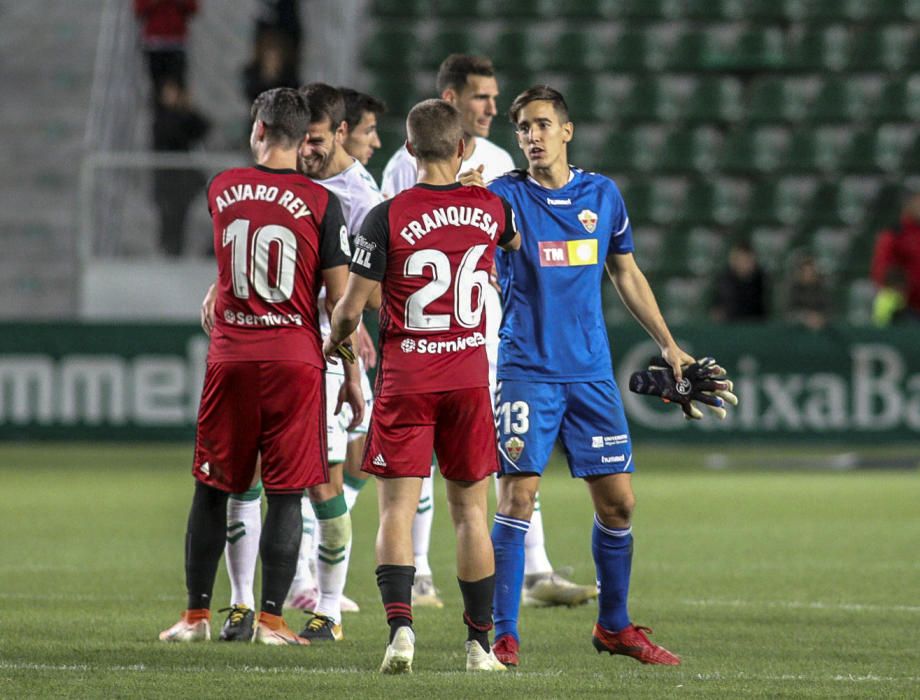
(676, 359)
(350, 393)
(704, 382)
(207, 310)
(493, 278)
(366, 350)
(333, 351)
(473, 177)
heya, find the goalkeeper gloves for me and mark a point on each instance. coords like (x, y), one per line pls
(703, 381)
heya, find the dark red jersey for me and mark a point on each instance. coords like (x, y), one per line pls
(432, 249)
(274, 233)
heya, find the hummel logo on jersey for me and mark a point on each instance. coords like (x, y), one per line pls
(558, 202)
(379, 461)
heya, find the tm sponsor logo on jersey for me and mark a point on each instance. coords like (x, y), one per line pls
(439, 347)
(581, 251)
(417, 229)
(598, 441)
(239, 318)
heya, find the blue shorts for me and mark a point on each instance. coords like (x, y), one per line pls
(588, 418)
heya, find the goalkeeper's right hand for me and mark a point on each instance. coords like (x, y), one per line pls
(703, 381)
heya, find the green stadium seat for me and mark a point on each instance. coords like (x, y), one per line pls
(713, 203)
(771, 244)
(716, 99)
(899, 101)
(588, 99)
(892, 10)
(753, 50)
(575, 51)
(813, 150)
(776, 202)
(649, 100)
(575, 9)
(878, 149)
(400, 95)
(644, 10)
(755, 150)
(880, 48)
(456, 9)
(693, 51)
(706, 250)
(378, 50)
(834, 10)
(841, 100)
(630, 150)
(650, 248)
(823, 207)
(777, 100)
(510, 9)
(399, 9)
(629, 51)
(685, 299)
(656, 201)
(690, 151)
(822, 48)
(448, 41)
(711, 9)
(860, 296)
(773, 10)
(517, 51)
(830, 246)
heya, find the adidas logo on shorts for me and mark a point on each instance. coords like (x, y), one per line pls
(379, 461)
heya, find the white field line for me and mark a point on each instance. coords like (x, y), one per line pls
(300, 670)
(802, 605)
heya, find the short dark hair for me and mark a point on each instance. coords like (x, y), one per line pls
(357, 103)
(434, 129)
(326, 102)
(539, 93)
(457, 67)
(285, 113)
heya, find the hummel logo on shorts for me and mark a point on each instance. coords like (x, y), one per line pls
(379, 461)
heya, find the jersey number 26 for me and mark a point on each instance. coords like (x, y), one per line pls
(435, 263)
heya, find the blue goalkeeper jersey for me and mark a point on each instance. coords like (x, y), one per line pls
(553, 327)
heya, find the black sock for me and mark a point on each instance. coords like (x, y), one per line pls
(205, 536)
(395, 584)
(279, 547)
(477, 604)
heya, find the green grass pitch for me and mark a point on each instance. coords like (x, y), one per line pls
(768, 583)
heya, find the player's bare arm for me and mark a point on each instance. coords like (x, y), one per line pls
(335, 279)
(207, 309)
(633, 288)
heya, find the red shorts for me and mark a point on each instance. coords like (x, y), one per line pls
(275, 408)
(458, 425)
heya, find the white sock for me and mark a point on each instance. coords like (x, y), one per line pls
(351, 495)
(334, 538)
(536, 560)
(244, 528)
(304, 579)
(421, 526)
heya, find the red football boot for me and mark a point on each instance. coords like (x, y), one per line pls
(633, 642)
(506, 649)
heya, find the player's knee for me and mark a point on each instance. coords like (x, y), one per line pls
(518, 503)
(617, 512)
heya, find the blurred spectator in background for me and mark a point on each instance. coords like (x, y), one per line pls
(270, 67)
(164, 28)
(896, 263)
(362, 112)
(177, 126)
(808, 299)
(281, 18)
(741, 290)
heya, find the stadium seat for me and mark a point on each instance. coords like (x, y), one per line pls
(860, 296)
(814, 150)
(778, 100)
(755, 150)
(694, 50)
(650, 248)
(879, 48)
(842, 99)
(899, 101)
(878, 149)
(400, 95)
(823, 207)
(778, 202)
(656, 201)
(771, 244)
(753, 50)
(685, 299)
(706, 249)
(711, 9)
(649, 100)
(713, 202)
(834, 10)
(773, 10)
(830, 245)
(627, 150)
(690, 151)
(643, 10)
(629, 51)
(456, 9)
(715, 99)
(399, 9)
(575, 51)
(378, 50)
(588, 99)
(575, 9)
(518, 51)
(821, 48)
(511, 9)
(449, 41)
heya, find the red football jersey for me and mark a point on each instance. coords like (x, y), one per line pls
(274, 232)
(432, 247)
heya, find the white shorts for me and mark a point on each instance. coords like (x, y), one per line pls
(337, 435)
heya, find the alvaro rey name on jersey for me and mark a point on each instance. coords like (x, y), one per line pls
(265, 193)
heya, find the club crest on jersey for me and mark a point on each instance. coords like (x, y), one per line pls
(514, 446)
(588, 219)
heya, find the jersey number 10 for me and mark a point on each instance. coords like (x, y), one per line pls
(236, 235)
(468, 279)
